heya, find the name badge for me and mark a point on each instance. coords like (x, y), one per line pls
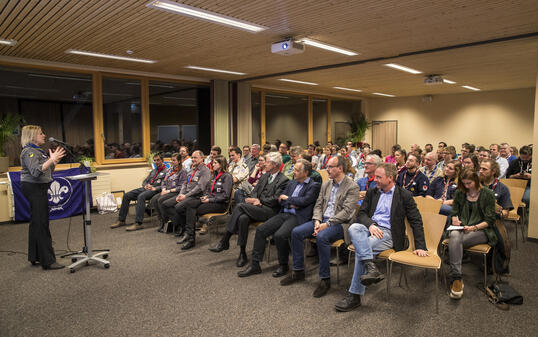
(158, 181)
(195, 179)
(414, 183)
(219, 190)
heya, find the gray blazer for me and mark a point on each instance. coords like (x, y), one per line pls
(346, 201)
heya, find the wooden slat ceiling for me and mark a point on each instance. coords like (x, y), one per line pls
(46, 29)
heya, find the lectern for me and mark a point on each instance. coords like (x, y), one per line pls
(86, 255)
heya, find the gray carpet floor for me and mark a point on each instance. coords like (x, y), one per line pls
(154, 289)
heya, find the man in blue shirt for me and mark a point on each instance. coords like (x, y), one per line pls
(368, 182)
(380, 226)
(297, 204)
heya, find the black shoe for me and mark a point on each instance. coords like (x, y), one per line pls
(295, 276)
(34, 263)
(184, 238)
(222, 245)
(323, 287)
(348, 303)
(281, 271)
(188, 245)
(252, 269)
(372, 275)
(54, 266)
(241, 260)
(148, 211)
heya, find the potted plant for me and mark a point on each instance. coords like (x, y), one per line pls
(88, 162)
(358, 126)
(9, 126)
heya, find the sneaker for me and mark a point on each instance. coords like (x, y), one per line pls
(134, 227)
(456, 289)
(118, 224)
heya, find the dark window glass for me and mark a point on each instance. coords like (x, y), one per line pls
(179, 115)
(286, 118)
(59, 102)
(122, 118)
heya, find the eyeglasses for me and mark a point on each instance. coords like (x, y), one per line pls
(331, 166)
(366, 163)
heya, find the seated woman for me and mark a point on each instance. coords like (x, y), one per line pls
(401, 157)
(170, 186)
(259, 169)
(214, 200)
(443, 188)
(474, 211)
(324, 159)
(471, 162)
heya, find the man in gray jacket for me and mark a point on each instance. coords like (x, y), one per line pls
(335, 206)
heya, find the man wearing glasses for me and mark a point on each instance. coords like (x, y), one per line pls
(335, 206)
(370, 164)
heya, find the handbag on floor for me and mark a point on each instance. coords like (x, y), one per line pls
(502, 295)
(106, 203)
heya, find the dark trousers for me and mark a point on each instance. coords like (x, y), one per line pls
(140, 195)
(156, 203)
(280, 226)
(242, 215)
(185, 215)
(39, 238)
(167, 210)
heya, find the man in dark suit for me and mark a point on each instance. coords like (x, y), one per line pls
(260, 206)
(380, 226)
(297, 204)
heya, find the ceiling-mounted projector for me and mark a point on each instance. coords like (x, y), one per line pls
(287, 47)
(433, 79)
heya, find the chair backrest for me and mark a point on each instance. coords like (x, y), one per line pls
(428, 205)
(434, 225)
(516, 194)
(521, 183)
(324, 175)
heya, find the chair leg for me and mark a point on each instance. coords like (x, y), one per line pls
(349, 258)
(515, 224)
(436, 294)
(337, 266)
(485, 271)
(388, 279)
(522, 219)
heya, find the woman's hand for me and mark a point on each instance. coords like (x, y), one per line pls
(57, 154)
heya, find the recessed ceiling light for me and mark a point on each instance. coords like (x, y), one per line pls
(348, 89)
(402, 68)
(325, 46)
(295, 81)
(470, 88)
(8, 42)
(448, 81)
(108, 56)
(215, 70)
(198, 13)
(382, 94)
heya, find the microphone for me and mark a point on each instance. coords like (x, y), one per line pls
(52, 139)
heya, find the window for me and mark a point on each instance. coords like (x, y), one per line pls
(122, 118)
(59, 102)
(286, 118)
(179, 115)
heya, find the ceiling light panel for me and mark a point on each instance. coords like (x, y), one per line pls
(215, 70)
(382, 94)
(295, 81)
(403, 68)
(198, 13)
(329, 47)
(108, 56)
(348, 89)
(470, 88)
(8, 42)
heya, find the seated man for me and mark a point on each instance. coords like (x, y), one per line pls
(252, 160)
(335, 206)
(521, 168)
(208, 161)
(150, 186)
(315, 174)
(412, 179)
(297, 203)
(380, 226)
(186, 161)
(239, 170)
(190, 193)
(260, 206)
(431, 169)
(503, 162)
(489, 174)
(365, 183)
(483, 154)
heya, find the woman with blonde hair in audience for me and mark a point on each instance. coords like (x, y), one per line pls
(443, 188)
(473, 215)
(471, 162)
(401, 157)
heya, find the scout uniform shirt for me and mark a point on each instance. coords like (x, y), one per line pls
(32, 160)
(417, 183)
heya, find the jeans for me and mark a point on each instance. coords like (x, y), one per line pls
(366, 246)
(324, 239)
(458, 242)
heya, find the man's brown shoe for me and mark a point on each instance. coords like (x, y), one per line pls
(203, 229)
(134, 227)
(118, 224)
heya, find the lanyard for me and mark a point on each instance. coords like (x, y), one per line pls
(214, 181)
(494, 184)
(326, 161)
(369, 182)
(192, 175)
(445, 189)
(411, 181)
(171, 174)
(156, 174)
(433, 172)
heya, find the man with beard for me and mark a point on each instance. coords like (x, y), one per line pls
(489, 177)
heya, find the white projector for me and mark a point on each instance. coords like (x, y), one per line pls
(433, 79)
(287, 47)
